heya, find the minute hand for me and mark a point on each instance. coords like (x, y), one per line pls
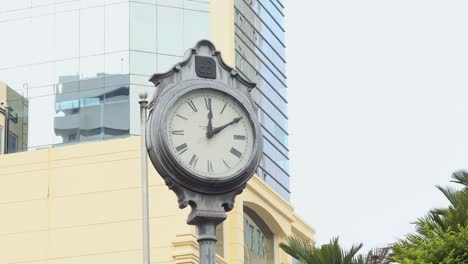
(218, 129)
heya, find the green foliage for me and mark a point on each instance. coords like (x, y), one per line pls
(330, 253)
(441, 238)
(442, 235)
(450, 247)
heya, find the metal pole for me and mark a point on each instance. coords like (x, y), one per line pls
(207, 242)
(144, 177)
(7, 128)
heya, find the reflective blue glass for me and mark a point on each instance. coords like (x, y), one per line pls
(260, 56)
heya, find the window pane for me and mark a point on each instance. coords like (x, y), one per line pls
(257, 244)
(67, 119)
(173, 3)
(139, 79)
(42, 34)
(67, 71)
(41, 2)
(170, 30)
(196, 27)
(41, 91)
(142, 63)
(67, 35)
(92, 97)
(68, 87)
(250, 238)
(117, 63)
(92, 67)
(197, 5)
(116, 94)
(166, 62)
(116, 32)
(13, 5)
(92, 3)
(116, 119)
(16, 50)
(143, 27)
(41, 121)
(91, 31)
(114, 80)
(66, 5)
(16, 78)
(91, 122)
(12, 142)
(42, 74)
(91, 84)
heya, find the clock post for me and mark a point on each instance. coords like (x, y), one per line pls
(203, 137)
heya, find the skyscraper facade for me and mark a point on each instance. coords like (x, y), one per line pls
(80, 64)
(260, 55)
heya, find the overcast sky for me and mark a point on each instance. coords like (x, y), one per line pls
(378, 110)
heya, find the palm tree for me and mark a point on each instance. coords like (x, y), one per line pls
(379, 256)
(440, 220)
(332, 253)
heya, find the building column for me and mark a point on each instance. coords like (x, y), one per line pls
(234, 234)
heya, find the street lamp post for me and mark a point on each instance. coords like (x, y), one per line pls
(5, 133)
(144, 178)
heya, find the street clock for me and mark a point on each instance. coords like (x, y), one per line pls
(203, 135)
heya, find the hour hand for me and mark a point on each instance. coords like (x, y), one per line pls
(209, 127)
(218, 129)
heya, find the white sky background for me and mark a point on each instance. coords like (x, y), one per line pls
(378, 94)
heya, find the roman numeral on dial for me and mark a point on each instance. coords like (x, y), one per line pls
(222, 110)
(209, 165)
(239, 137)
(182, 148)
(208, 103)
(177, 132)
(192, 105)
(193, 160)
(235, 152)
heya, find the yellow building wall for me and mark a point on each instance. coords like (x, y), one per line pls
(82, 204)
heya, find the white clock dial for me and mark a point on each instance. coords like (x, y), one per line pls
(216, 151)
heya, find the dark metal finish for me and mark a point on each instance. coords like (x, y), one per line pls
(205, 67)
(210, 198)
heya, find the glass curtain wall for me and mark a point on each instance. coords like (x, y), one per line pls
(260, 56)
(69, 60)
(161, 31)
(79, 64)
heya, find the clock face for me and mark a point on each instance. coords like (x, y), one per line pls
(210, 133)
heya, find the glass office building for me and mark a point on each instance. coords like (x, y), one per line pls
(76, 67)
(260, 55)
(80, 64)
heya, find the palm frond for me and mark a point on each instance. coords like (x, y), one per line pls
(330, 253)
(450, 193)
(460, 177)
(298, 248)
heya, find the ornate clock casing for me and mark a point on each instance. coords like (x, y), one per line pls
(202, 70)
